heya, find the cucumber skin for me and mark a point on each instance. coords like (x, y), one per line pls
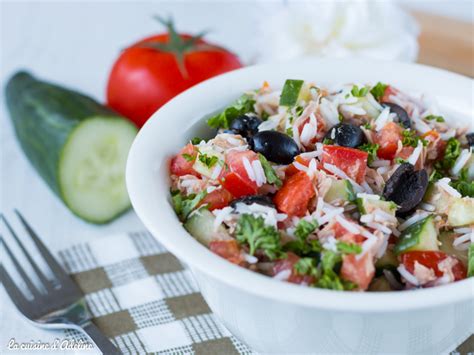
(44, 115)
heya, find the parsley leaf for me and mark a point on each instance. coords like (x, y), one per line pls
(327, 141)
(372, 149)
(208, 160)
(399, 160)
(378, 91)
(289, 131)
(367, 125)
(197, 140)
(305, 228)
(188, 157)
(359, 92)
(463, 185)
(243, 105)
(306, 266)
(451, 153)
(347, 248)
(270, 174)
(410, 139)
(327, 276)
(470, 263)
(184, 205)
(253, 231)
(435, 118)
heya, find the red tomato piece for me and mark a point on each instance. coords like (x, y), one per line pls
(234, 177)
(227, 249)
(217, 199)
(294, 196)
(150, 72)
(389, 90)
(344, 235)
(431, 259)
(288, 264)
(387, 139)
(359, 271)
(183, 166)
(351, 161)
(321, 127)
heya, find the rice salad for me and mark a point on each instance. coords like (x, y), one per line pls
(360, 187)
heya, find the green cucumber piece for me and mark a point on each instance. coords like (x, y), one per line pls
(438, 198)
(446, 239)
(461, 212)
(419, 236)
(291, 92)
(367, 206)
(470, 263)
(340, 190)
(201, 226)
(78, 146)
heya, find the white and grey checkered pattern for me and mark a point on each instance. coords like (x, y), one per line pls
(140, 296)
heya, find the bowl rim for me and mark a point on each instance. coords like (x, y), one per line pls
(142, 167)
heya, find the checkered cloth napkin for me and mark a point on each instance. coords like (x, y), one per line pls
(143, 298)
(145, 301)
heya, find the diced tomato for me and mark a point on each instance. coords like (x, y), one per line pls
(359, 271)
(321, 124)
(234, 177)
(344, 235)
(288, 264)
(294, 196)
(183, 166)
(217, 199)
(431, 259)
(389, 90)
(387, 139)
(405, 152)
(292, 170)
(351, 161)
(435, 142)
(227, 249)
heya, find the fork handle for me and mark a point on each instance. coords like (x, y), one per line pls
(102, 342)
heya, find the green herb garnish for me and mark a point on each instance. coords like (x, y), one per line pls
(370, 148)
(327, 141)
(243, 105)
(188, 157)
(347, 248)
(305, 228)
(306, 266)
(359, 92)
(399, 160)
(435, 118)
(327, 276)
(302, 245)
(208, 160)
(378, 91)
(197, 140)
(410, 139)
(184, 205)
(270, 174)
(289, 131)
(463, 185)
(257, 235)
(451, 153)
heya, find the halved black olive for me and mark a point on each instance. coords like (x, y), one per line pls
(402, 115)
(245, 125)
(470, 139)
(248, 200)
(275, 146)
(346, 135)
(406, 187)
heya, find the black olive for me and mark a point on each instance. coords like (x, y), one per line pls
(402, 115)
(346, 135)
(275, 146)
(406, 187)
(470, 139)
(245, 125)
(248, 200)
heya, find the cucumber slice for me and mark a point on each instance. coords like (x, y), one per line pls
(92, 168)
(461, 212)
(446, 239)
(419, 236)
(340, 190)
(367, 205)
(201, 226)
(470, 262)
(438, 198)
(206, 154)
(290, 92)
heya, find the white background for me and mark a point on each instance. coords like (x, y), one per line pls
(75, 44)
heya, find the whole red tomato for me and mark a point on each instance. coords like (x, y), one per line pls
(152, 71)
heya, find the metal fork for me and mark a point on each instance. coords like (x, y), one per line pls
(60, 303)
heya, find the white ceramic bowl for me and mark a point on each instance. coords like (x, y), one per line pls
(278, 317)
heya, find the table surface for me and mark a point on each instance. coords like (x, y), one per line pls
(75, 44)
